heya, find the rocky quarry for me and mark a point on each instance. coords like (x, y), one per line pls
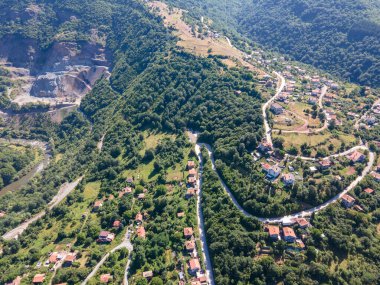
(62, 73)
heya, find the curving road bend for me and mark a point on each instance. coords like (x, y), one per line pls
(280, 88)
(299, 214)
(126, 243)
(63, 192)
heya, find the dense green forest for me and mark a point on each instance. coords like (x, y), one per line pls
(341, 37)
(342, 246)
(158, 90)
(14, 160)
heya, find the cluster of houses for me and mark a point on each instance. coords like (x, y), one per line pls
(286, 232)
(194, 266)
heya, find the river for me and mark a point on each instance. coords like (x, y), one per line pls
(18, 184)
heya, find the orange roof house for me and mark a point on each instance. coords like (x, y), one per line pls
(348, 201)
(141, 232)
(356, 156)
(116, 224)
(39, 278)
(274, 232)
(369, 190)
(105, 278)
(139, 218)
(194, 265)
(53, 258)
(302, 223)
(188, 232)
(190, 245)
(190, 164)
(289, 234)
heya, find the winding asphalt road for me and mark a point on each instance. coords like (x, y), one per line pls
(62, 194)
(305, 213)
(126, 243)
(280, 88)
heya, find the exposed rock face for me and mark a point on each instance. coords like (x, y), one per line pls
(65, 71)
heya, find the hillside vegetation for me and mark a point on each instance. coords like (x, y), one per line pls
(341, 37)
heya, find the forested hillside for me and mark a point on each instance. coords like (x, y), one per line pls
(342, 37)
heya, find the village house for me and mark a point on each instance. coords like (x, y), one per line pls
(289, 235)
(17, 281)
(97, 205)
(369, 191)
(312, 101)
(53, 258)
(274, 232)
(105, 237)
(192, 172)
(288, 179)
(105, 278)
(358, 208)
(190, 245)
(192, 181)
(130, 180)
(376, 176)
(147, 274)
(190, 193)
(325, 164)
(38, 279)
(116, 224)
(141, 232)
(265, 147)
(180, 214)
(273, 172)
(303, 223)
(194, 266)
(125, 191)
(300, 244)
(190, 164)
(315, 92)
(139, 218)
(348, 201)
(356, 157)
(69, 259)
(188, 232)
(141, 196)
(276, 108)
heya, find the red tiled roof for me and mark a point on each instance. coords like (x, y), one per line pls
(190, 164)
(194, 264)
(273, 230)
(355, 156)
(39, 278)
(138, 217)
(70, 257)
(53, 257)
(369, 190)
(141, 232)
(189, 244)
(188, 231)
(105, 278)
(289, 232)
(302, 222)
(116, 224)
(348, 198)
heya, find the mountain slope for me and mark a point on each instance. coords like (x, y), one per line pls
(341, 37)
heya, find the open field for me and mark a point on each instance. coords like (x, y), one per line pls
(315, 141)
(199, 44)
